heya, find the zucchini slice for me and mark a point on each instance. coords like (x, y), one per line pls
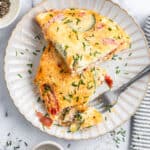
(83, 24)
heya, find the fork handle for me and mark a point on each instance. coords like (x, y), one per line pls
(142, 73)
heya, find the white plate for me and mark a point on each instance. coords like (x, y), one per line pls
(23, 43)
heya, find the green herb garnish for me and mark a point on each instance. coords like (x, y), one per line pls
(57, 29)
(110, 29)
(84, 45)
(78, 20)
(90, 85)
(108, 108)
(130, 54)
(39, 99)
(29, 71)
(118, 136)
(34, 53)
(43, 48)
(76, 33)
(19, 75)
(37, 50)
(37, 37)
(50, 15)
(30, 65)
(118, 70)
(21, 53)
(76, 59)
(68, 21)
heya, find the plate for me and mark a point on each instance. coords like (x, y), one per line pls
(25, 47)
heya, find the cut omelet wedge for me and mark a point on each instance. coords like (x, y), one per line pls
(60, 89)
(82, 37)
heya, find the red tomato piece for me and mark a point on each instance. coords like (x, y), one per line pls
(46, 121)
(39, 114)
(53, 111)
(109, 81)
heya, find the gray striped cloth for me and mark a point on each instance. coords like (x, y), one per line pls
(140, 133)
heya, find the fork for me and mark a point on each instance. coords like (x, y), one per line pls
(108, 99)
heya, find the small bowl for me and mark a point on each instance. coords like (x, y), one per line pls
(12, 14)
(48, 145)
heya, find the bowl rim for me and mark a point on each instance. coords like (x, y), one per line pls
(14, 17)
(48, 143)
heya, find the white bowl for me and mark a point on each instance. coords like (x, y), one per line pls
(12, 14)
(48, 145)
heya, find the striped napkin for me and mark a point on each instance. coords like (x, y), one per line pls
(140, 137)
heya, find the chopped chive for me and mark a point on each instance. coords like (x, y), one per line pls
(30, 65)
(130, 54)
(96, 53)
(37, 37)
(126, 64)
(68, 146)
(76, 33)
(118, 71)
(34, 53)
(111, 20)
(72, 8)
(78, 20)
(58, 125)
(114, 57)
(39, 99)
(19, 75)
(6, 114)
(26, 144)
(67, 21)
(50, 15)
(9, 134)
(21, 53)
(84, 45)
(108, 108)
(120, 58)
(37, 50)
(109, 29)
(27, 50)
(130, 45)
(57, 29)
(16, 53)
(66, 47)
(43, 48)
(96, 43)
(29, 71)
(74, 84)
(67, 98)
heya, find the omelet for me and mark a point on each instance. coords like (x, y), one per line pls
(60, 89)
(82, 37)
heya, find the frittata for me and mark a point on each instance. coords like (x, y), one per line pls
(60, 89)
(82, 37)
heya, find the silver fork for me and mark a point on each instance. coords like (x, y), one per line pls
(109, 98)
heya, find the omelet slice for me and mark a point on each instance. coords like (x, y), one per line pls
(59, 88)
(82, 37)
